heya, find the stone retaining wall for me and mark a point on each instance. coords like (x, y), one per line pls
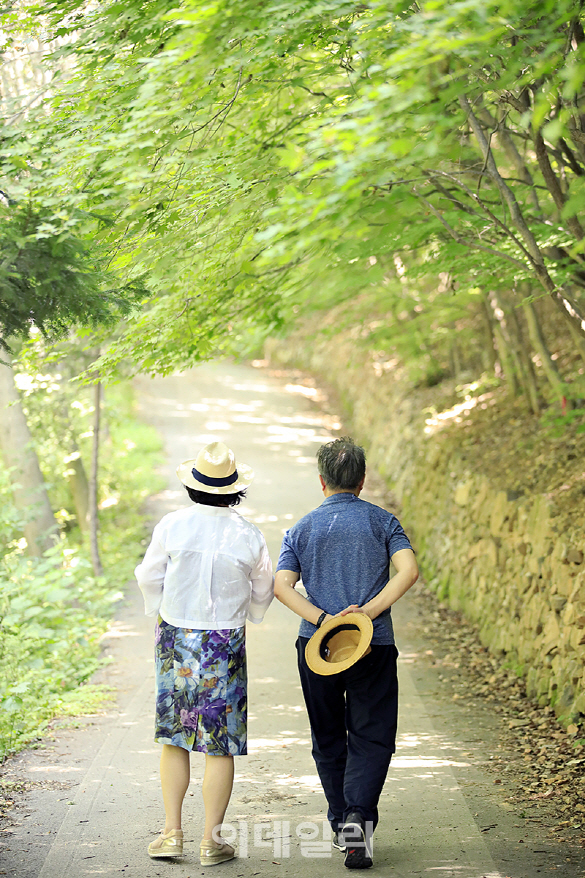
(493, 556)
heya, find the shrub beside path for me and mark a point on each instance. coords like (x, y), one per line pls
(90, 799)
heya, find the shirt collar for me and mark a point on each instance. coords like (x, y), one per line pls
(343, 497)
(213, 511)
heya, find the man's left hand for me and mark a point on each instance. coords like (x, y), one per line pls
(353, 608)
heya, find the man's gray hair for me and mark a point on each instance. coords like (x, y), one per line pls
(342, 464)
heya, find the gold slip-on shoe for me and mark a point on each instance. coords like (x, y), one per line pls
(212, 854)
(169, 845)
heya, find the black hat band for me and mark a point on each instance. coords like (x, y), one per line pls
(214, 483)
(324, 647)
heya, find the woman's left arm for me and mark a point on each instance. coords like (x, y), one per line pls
(262, 587)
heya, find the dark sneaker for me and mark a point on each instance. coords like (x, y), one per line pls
(337, 841)
(358, 848)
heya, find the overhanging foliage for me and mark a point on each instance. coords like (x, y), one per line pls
(246, 157)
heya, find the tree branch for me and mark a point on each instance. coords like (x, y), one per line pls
(466, 243)
(316, 94)
(507, 194)
(553, 184)
(512, 153)
(577, 169)
(458, 204)
(497, 221)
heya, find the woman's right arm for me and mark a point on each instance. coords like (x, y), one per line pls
(150, 575)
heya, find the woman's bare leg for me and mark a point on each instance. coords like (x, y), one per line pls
(175, 772)
(218, 781)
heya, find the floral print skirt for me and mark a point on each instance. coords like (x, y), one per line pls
(201, 701)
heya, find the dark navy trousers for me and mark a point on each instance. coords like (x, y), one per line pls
(353, 718)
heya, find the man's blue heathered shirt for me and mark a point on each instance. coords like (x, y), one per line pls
(342, 550)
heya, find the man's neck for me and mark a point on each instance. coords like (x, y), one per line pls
(329, 493)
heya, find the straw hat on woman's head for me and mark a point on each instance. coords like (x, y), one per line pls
(214, 471)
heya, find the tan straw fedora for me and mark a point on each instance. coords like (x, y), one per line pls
(339, 643)
(214, 470)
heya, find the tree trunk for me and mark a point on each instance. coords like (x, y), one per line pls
(502, 343)
(93, 483)
(455, 360)
(29, 491)
(579, 341)
(79, 486)
(539, 344)
(524, 363)
(489, 349)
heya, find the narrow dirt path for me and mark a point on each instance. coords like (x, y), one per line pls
(93, 800)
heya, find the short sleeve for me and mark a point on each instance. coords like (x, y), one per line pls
(396, 539)
(288, 560)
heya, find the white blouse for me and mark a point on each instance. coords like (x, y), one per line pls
(206, 568)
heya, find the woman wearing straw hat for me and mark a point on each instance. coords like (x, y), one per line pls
(205, 572)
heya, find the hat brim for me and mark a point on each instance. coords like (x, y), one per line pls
(313, 656)
(185, 474)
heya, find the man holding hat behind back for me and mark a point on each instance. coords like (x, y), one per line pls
(342, 552)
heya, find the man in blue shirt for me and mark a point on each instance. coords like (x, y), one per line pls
(342, 552)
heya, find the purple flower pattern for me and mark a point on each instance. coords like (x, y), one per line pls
(209, 714)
